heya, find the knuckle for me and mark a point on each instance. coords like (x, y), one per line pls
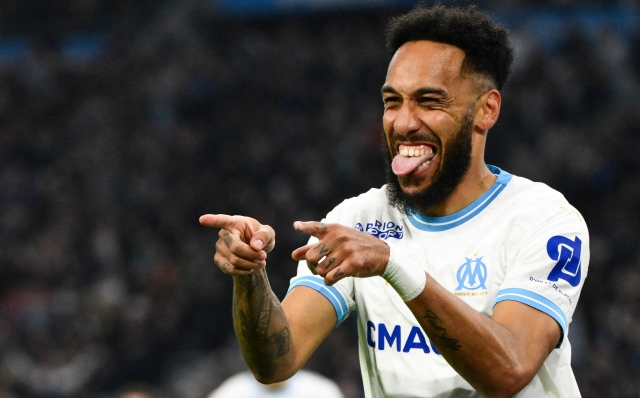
(217, 259)
(350, 248)
(233, 258)
(228, 268)
(221, 263)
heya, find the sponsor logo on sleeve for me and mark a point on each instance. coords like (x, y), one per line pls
(382, 230)
(566, 253)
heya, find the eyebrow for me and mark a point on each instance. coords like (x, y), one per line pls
(421, 91)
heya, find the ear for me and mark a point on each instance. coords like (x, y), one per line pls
(488, 109)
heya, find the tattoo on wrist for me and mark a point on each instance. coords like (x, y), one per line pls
(447, 342)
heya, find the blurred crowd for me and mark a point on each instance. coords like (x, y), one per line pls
(122, 122)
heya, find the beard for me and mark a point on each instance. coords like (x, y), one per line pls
(453, 167)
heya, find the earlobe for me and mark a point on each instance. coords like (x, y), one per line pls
(489, 109)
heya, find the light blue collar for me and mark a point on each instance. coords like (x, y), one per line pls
(437, 224)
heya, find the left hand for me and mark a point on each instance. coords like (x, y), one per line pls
(344, 252)
(243, 245)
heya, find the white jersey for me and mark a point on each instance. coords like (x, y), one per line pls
(303, 384)
(519, 241)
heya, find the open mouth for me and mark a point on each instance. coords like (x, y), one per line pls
(411, 158)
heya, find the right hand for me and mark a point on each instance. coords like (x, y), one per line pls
(243, 244)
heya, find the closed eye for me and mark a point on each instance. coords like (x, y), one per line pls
(428, 101)
(391, 101)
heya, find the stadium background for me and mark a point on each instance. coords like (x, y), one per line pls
(121, 122)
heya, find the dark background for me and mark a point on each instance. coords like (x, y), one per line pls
(121, 122)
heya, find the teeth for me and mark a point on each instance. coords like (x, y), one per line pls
(415, 151)
(423, 165)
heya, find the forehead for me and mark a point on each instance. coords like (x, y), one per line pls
(425, 63)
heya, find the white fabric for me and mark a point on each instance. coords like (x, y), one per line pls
(303, 384)
(503, 246)
(406, 277)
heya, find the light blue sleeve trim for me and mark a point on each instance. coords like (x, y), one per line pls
(330, 292)
(538, 302)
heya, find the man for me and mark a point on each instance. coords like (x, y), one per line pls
(464, 276)
(303, 384)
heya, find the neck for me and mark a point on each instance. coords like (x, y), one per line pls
(475, 182)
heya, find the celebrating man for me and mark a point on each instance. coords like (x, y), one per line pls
(464, 276)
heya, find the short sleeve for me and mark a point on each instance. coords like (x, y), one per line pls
(549, 265)
(340, 294)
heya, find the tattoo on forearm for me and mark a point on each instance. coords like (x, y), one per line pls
(448, 342)
(260, 322)
(281, 340)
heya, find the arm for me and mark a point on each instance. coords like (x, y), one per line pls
(276, 339)
(498, 356)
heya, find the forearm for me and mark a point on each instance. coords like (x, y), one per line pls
(481, 350)
(261, 327)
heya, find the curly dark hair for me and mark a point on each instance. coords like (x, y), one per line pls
(484, 42)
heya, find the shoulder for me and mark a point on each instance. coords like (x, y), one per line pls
(369, 204)
(534, 204)
(532, 197)
(375, 197)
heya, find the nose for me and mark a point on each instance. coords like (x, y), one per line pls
(407, 121)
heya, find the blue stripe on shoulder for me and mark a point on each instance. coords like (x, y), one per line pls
(536, 301)
(331, 293)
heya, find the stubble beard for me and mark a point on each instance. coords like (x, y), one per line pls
(452, 170)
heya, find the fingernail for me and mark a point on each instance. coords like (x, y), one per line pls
(260, 243)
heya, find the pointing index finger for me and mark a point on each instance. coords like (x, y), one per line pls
(222, 221)
(313, 228)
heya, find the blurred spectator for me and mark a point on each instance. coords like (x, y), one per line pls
(135, 391)
(303, 384)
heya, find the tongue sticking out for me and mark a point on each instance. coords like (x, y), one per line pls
(403, 165)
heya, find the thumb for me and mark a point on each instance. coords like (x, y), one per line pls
(313, 228)
(263, 239)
